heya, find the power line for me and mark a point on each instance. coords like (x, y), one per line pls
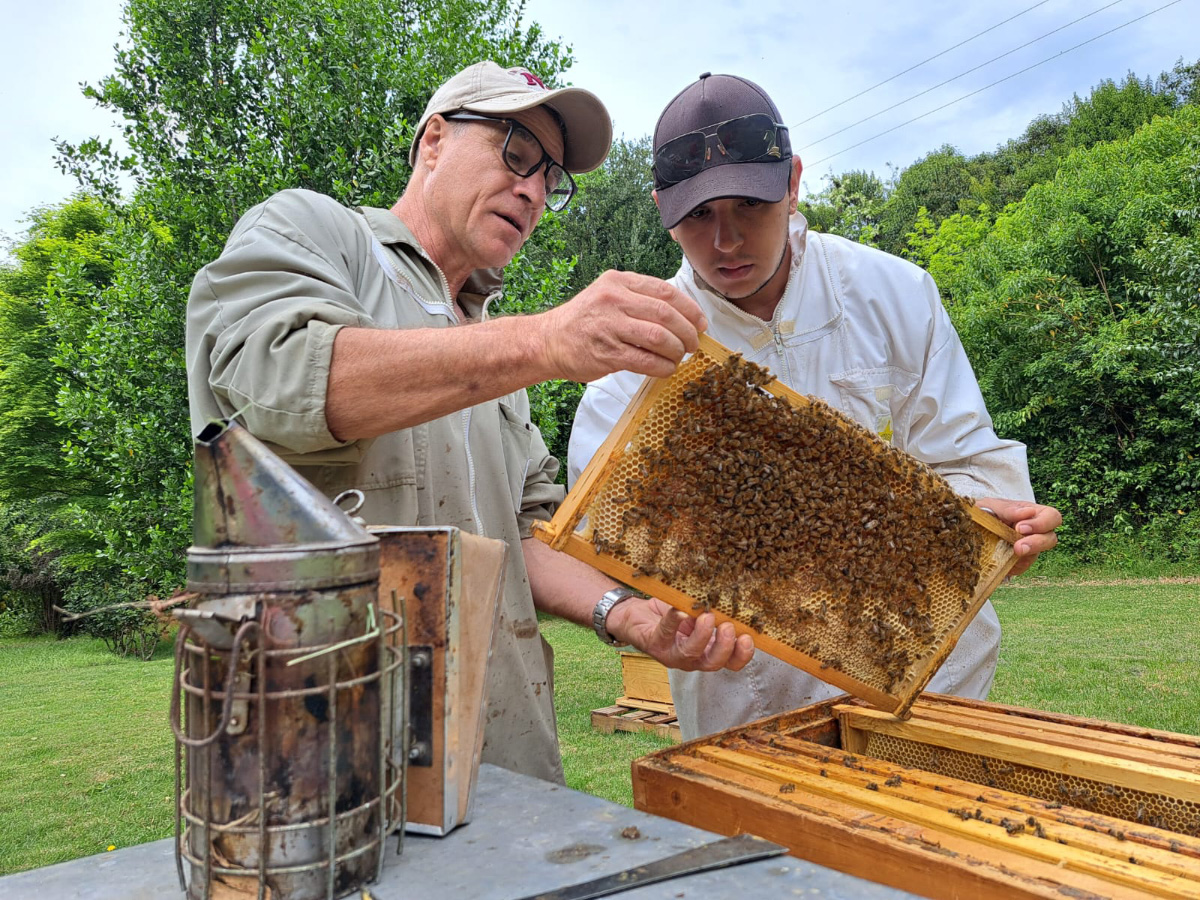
(994, 83)
(960, 75)
(921, 63)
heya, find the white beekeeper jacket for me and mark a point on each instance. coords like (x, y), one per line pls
(866, 332)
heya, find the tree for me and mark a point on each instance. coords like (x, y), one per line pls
(613, 223)
(938, 182)
(849, 205)
(222, 103)
(1113, 112)
(61, 266)
(1081, 313)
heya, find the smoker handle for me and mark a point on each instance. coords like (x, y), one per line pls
(227, 706)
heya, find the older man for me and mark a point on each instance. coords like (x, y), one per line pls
(357, 344)
(858, 328)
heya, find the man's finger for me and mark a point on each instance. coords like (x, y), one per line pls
(658, 290)
(692, 648)
(720, 648)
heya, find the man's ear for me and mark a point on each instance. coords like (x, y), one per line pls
(670, 231)
(433, 137)
(794, 181)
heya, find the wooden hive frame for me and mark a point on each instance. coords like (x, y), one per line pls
(598, 487)
(1091, 827)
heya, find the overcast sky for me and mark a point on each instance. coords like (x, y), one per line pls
(636, 54)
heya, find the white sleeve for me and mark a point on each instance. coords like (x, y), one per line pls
(950, 428)
(603, 402)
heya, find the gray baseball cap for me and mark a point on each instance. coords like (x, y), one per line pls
(707, 102)
(487, 89)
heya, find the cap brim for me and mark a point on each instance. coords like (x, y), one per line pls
(589, 129)
(759, 181)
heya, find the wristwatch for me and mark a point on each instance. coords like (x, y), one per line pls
(603, 608)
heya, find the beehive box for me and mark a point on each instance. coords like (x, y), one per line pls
(721, 489)
(964, 799)
(644, 680)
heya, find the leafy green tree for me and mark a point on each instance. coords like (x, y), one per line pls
(61, 265)
(1112, 112)
(222, 103)
(938, 182)
(942, 250)
(613, 222)
(1182, 83)
(849, 205)
(1081, 312)
(946, 183)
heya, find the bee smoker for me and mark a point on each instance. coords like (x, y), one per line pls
(290, 678)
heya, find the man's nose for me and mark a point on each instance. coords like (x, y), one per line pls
(533, 187)
(726, 233)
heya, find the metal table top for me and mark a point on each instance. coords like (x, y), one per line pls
(525, 836)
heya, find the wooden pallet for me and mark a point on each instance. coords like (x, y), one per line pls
(632, 718)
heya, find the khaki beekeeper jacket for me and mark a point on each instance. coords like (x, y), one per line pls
(866, 332)
(260, 329)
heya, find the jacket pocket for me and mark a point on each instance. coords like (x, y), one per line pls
(391, 471)
(875, 399)
(516, 435)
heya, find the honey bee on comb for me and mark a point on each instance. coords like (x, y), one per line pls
(785, 516)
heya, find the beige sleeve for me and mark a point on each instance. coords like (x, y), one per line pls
(262, 319)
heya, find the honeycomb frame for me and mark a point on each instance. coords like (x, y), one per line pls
(875, 645)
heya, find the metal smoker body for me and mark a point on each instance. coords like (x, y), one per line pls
(291, 679)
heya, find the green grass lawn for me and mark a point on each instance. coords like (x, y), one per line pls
(1124, 653)
(86, 753)
(86, 758)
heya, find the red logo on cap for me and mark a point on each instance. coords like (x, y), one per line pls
(532, 80)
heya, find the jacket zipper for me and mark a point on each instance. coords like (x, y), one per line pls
(466, 419)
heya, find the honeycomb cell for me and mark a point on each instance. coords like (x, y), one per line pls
(1139, 807)
(793, 520)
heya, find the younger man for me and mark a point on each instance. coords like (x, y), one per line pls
(862, 330)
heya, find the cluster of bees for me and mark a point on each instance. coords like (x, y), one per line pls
(796, 521)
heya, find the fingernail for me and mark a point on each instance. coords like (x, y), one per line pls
(1025, 528)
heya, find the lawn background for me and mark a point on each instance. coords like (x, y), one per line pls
(86, 754)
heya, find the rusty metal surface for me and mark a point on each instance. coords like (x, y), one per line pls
(259, 526)
(287, 673)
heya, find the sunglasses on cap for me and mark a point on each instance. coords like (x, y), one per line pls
(524, 154)
(754, 138)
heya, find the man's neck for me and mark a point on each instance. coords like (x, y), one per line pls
(416, 220)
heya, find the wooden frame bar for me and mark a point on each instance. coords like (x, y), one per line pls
(802, 780)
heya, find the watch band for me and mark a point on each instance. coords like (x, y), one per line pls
(603, 608)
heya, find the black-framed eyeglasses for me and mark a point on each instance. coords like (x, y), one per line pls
(524, 154)
(754, 138)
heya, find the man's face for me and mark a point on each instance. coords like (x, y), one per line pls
(737, 244)
(486, 210)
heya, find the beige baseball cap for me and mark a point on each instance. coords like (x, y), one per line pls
(487, 89)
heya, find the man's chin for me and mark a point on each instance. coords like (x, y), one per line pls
(733, 288)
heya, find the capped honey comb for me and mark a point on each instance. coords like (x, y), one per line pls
(721, 489)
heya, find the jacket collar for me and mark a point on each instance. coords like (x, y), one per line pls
(480, 286)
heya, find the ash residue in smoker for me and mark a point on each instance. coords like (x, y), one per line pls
(747, 498)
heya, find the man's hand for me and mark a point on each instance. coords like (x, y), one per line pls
(1034, 522)
(676, 640)
(622, 320)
